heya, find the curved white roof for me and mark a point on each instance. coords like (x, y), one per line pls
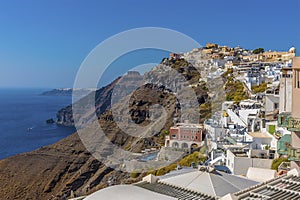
(214, 183)
(126, 192)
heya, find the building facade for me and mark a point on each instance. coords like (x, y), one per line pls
(292, 120)
(285, 91)
(238, 161)
(184, 136)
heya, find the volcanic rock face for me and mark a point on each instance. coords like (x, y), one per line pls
(102, 99)
(66, 168)
(166, 75)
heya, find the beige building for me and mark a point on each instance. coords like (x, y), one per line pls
(292, 121)
(225, 49)
(285, 91)
(211, 45)
(207, 51)
(296, 88)
(270, 56)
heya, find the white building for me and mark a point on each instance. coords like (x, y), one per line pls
(262, 141)
(238, 161)
(285, 91)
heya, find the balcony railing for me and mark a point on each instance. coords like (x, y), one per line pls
(286, 120)
(283, 119)
(294, 124)
(294, 154)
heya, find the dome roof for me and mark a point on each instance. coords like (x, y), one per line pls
(127, 192)
(292, 50)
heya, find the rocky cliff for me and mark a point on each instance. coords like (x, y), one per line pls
(164, 75)
(67, 169)
(102, 102)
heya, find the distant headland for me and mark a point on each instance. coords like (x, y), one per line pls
(68, 91)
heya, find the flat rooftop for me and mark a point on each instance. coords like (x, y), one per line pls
(259, 135)
(188, 125)
(240, 154)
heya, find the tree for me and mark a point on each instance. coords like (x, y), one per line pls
(258, 50)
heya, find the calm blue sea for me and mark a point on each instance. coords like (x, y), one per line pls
(23, 109)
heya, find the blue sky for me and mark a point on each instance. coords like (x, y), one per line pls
(43, 43)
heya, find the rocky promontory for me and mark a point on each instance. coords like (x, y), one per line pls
(68, 92)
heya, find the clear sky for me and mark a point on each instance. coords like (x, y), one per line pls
(43, 43)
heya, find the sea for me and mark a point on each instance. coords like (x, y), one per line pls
(23, 115)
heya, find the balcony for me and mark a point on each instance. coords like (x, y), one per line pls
(294, 154)
(293, 124)
(283, 119)
(286, 120)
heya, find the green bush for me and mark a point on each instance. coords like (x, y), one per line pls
(235, 90)
(135, 174)
(163, 170)
(272, 129)
(276, 162)
(195, 157)
(205, 111)
(258, 50)
(259, 88)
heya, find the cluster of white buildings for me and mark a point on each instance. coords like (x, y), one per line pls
(254, 132)
(246, 134)
(253, 69)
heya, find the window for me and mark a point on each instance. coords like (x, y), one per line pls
(297, 78)
(173, 136)
(275, 105)
(287, 75)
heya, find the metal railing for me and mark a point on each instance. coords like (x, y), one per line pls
(286, 120)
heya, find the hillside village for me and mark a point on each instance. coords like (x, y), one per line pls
(252, 142)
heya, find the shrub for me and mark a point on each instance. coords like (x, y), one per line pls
(195, 157)
(259, 88)
(276, 162)
(258, 50)
(135, 174)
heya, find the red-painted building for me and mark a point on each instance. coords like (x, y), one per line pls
(184, 135)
